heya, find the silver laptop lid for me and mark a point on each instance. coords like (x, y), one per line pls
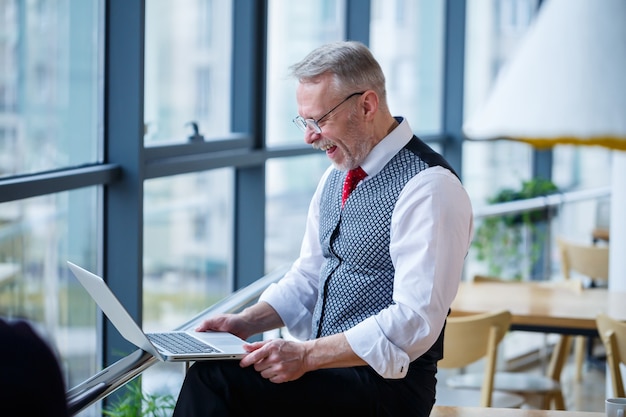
(113, 309)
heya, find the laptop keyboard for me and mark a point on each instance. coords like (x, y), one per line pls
(180, 343)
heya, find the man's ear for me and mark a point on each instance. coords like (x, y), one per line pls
(370, 104)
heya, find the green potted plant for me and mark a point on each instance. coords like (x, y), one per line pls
(512, 244)
(136, 403)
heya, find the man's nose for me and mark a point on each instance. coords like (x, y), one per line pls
(310, 135)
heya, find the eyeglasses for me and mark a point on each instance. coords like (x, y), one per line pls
(303, 123)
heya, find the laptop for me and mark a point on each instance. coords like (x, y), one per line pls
(170, 346)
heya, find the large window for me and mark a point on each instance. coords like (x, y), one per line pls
(188, 214)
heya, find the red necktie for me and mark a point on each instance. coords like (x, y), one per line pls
(353, 177)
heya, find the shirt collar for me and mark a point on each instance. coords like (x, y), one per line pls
(387, 148)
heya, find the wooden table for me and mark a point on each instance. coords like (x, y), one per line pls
(444, 411)
(541, 306)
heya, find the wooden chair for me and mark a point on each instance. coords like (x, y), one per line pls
(529, 385)
(613, 335)
(588, 261)
(467, 340)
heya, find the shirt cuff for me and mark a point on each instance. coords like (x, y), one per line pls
(369, 342)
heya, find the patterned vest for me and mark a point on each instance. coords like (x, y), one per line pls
(357, 275)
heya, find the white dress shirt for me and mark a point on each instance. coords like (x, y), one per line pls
(431, 231)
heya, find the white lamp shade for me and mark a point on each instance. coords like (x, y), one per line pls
(567, 81)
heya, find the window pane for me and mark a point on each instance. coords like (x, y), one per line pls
(493, 30)
(49, 97)
(407, 39)
(187, 69)
(188, 239)
(579, 168)
(37, 237)
(290, 184)
(188, 227)
(295, 28)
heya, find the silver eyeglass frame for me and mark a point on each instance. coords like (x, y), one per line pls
(303, 123)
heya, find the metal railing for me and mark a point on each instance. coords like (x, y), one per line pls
(552, 200)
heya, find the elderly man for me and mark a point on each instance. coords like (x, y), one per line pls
(378, 269)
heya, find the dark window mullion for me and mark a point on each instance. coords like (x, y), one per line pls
(454, 58)
(248, 116)
(27, 186)
(123, 136)
(358, 15)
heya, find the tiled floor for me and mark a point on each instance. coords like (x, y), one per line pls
(588, 394)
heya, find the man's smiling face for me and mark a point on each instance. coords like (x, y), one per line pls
(343, 136)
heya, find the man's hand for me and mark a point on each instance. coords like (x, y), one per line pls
(280, 360)
(277, 360)
(231, 323)
(254, 319)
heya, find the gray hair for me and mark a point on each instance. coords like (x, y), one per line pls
(351, 63)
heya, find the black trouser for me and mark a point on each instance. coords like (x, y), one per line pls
(223, 388)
